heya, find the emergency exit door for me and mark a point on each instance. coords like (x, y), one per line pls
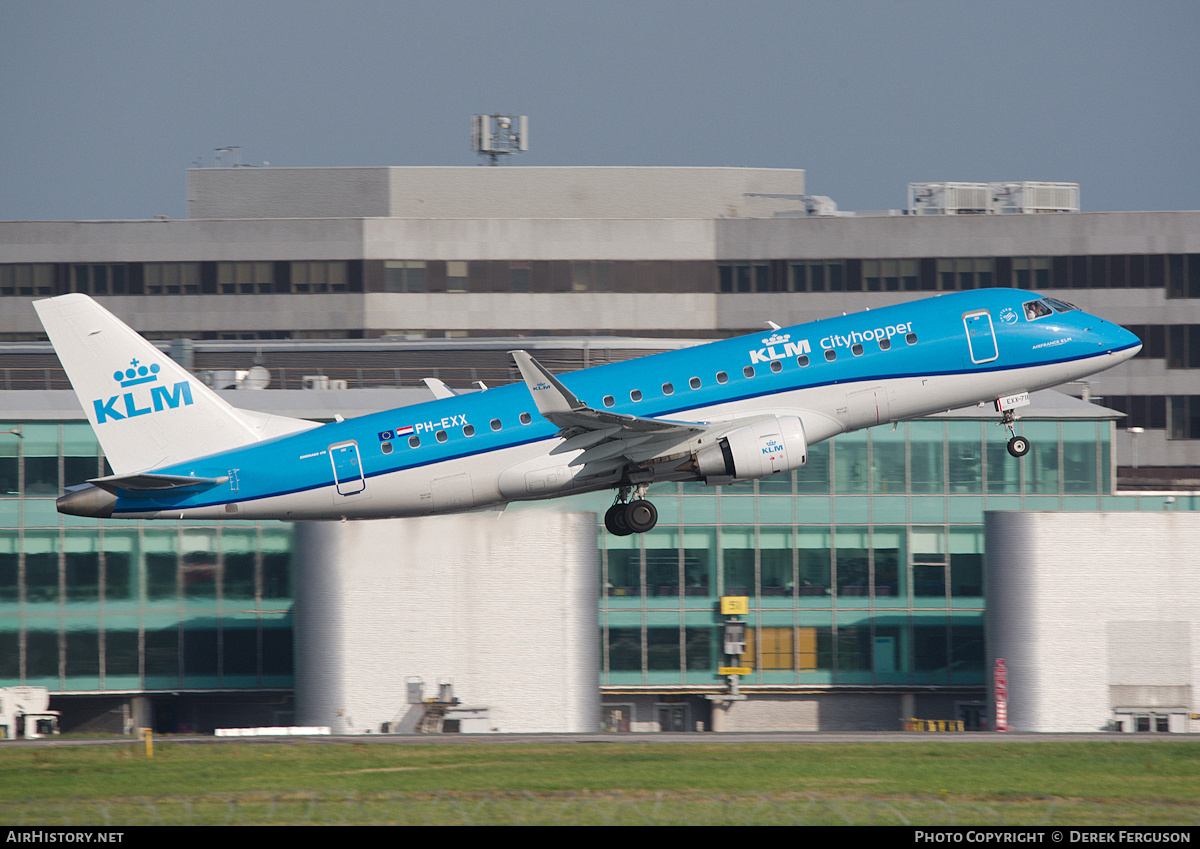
(981, 337)
(347, 468)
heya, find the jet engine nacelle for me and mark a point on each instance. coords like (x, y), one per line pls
(762, 448)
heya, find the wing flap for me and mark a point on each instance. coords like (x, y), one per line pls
(608, 449)
(584, 440)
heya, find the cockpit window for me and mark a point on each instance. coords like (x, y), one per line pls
(1060, 306)
(1037, 309)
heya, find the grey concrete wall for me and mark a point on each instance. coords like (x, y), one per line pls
(821, 712)
(287, 192)
(961, 235)
(484, 192)
(1093, 612)
(504, 608)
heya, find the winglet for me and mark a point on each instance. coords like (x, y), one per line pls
(548, 393)
(438, 388)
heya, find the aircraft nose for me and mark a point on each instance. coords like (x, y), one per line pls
(1126, 339)
(1120, 342)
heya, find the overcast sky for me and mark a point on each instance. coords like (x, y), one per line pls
(105, 104)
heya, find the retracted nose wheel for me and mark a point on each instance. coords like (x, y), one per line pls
(1018, 446)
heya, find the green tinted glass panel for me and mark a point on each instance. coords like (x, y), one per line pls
(888, 460)
(926, 446)
(851, 467)
(966, 454)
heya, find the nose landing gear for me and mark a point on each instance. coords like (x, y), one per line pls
(630, 517)
(1018, 446)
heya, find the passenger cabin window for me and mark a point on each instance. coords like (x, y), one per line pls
(694, 383)
(495, 424)
(668, 389)
(385, 447)
(911, 338)
(414, 442)
(830, 354)
(635, 395)
(526, 418)
(468, 430)
(441, 436)
(609, 400)
(776, 366)
(722, 377)
(748, 371)
(857, 349)
(884, 343)
(802, 360)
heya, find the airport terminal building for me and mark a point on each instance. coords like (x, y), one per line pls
(865, 571)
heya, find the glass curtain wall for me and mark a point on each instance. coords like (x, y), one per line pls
(864, 567)
(90, 605)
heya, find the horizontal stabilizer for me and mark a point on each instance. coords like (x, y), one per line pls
(155, 486)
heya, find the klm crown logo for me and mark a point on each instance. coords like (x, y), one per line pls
(769, 352)
(160, 397)
(137, 374)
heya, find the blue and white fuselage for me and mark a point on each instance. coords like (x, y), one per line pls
(735, 409)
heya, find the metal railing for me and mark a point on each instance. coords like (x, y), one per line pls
(37, 379)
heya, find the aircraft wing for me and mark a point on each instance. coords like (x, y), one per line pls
(607, 440)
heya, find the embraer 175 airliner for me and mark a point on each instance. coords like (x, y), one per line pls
(732, 410)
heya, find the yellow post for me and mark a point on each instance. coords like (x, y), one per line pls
(148, 736)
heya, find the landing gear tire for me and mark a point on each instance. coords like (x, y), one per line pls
(640, 516)
(615, 521)
(1018, 446)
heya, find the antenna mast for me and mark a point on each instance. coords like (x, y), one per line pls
(494, 136)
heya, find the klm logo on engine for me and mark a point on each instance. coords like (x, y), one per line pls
(774, 343)
(142, 398)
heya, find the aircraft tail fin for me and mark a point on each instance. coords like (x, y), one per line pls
(146, 409)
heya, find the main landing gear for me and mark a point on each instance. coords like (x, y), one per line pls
(627, 517)
(1018, 446)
